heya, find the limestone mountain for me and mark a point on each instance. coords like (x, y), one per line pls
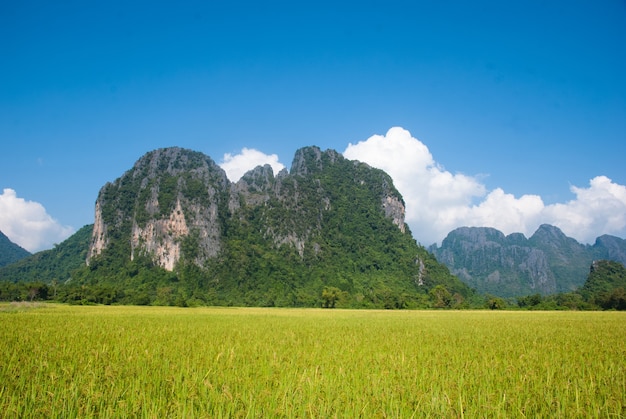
(9, 251)
(168, 196)
(174, 227)
(546, 263)
(610, 248)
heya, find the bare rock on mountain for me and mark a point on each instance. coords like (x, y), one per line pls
(548, 262)
(174, 199)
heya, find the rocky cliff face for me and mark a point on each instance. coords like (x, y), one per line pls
(610, 248)
(176, 204)
(153, 208)
(546, 263)
(489, 261)
(174, 230)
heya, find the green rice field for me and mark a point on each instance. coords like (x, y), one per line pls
(156, 362)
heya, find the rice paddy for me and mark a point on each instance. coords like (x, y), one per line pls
(154, 362)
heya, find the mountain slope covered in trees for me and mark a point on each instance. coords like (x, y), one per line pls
(9, 251)
(331, 232)
(606, 285)
(55, 264)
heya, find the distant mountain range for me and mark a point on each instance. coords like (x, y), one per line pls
(9, 251)
(546, 263)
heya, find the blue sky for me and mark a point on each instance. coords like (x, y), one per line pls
(512, 109)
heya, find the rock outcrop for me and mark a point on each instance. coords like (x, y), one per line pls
(610, 248)
(176, 203)
(169, 195)
(491, 262)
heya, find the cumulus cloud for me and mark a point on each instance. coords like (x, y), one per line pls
(237, 165)
(438, 201)
(598, 209)
(28, 224)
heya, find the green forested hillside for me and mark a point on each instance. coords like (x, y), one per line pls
(51, 265)
(349, 246)
(47, 273)
(330, 232)
(9, 251)
(606, 285)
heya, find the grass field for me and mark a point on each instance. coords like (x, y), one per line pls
(69, 361)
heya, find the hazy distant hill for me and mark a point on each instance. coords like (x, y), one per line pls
(548, 262)
(9, 251)
(174, 230)
(611, 248)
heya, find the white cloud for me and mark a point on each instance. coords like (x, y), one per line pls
(438, 201)
(236, 166)
(28, 224)
(502, 211)
(598, 209)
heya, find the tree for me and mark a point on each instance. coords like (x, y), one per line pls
(457, 300)
(572, 301)
(330, 296)
(495, 303)
(529, 300)
(441, 296)
(615, 300)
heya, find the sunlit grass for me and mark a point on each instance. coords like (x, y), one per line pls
(226, 362)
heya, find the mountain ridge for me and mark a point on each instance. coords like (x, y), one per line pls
(174, 230)
(10, 252)
(547, 262)
(56, 264)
